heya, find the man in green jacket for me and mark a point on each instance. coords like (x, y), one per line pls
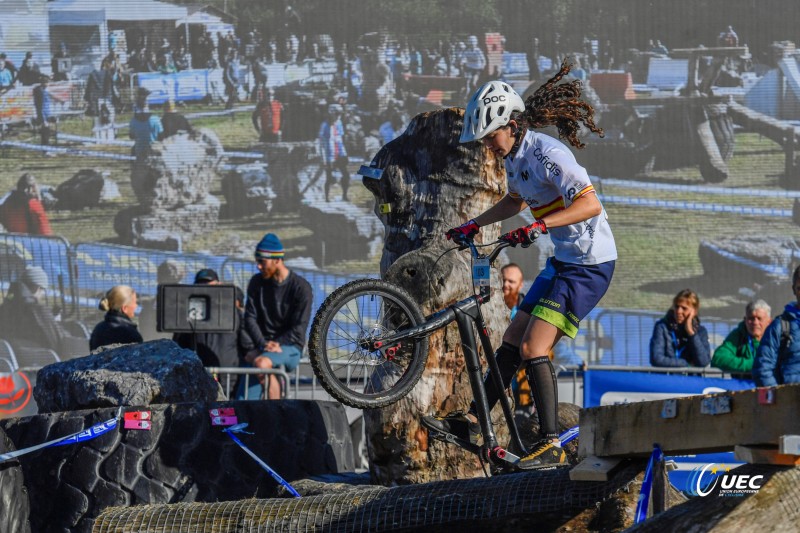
(736, 354)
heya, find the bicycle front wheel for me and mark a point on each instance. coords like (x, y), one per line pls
(351, 318)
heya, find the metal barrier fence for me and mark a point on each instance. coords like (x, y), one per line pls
(98, 267)
(229, 377)
(632, 347)
(18, 251)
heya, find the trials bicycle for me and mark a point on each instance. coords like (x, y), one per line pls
(369, 344)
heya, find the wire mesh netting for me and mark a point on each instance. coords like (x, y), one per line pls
(372, 509)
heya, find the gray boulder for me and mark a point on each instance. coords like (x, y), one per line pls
(87, 188)
(134, 374)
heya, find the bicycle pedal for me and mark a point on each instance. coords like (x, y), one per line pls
(452, 439)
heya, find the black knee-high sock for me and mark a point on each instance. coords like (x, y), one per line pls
(544, 389)
(508, 360)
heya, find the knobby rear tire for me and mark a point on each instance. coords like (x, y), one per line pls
(366, 309)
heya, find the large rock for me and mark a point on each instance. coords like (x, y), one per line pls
(87, 188)
(135, 374)
(179, 171)
(248, 190)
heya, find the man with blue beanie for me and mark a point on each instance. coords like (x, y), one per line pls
(276, 314)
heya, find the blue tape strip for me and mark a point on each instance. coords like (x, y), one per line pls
(569, 435)
(702, 189)
(239, 428)
(697, 206)
(647, 484)
(81, 436)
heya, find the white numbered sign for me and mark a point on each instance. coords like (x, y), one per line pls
(480, 272)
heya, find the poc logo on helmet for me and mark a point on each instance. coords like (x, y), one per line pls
(495, 98)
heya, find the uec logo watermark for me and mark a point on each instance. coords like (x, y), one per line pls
(703, 481)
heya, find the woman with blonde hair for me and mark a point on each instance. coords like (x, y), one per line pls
(117, 327)
(679, 339)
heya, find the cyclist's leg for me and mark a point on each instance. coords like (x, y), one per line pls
(537, 344)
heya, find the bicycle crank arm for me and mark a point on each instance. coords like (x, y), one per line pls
(452, 439)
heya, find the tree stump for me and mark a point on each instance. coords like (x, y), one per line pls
(431, 183)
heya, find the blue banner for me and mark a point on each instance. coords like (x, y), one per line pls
(101, 266)
(186, 85)
(607, 387)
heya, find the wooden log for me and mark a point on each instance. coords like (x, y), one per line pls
(432, 183)
(632, 429)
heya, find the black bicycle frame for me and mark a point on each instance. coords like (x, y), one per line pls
(465, 313)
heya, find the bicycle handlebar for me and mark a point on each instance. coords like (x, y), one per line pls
(465, 242)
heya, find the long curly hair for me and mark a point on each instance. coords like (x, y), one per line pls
(559, 105)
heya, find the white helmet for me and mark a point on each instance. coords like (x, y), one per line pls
(489, 109)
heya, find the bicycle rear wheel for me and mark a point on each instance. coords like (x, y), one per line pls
(352, 316)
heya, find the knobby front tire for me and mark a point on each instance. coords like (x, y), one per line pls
(352, 316)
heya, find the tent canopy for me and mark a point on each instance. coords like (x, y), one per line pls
(93, 12)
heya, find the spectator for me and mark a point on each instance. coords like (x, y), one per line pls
(778, 356)
(213, 349)
(473, 63)
(8, 73)
(728, 38)
(180, 59)
(232, 79)
(28, 73)
(23, 212)
(168, 272)
(145, 127)
(737, 352)
(117, 326)
(99, 94)
(659, 49)
(26, 322)
(277, 312)
(334, 154)
(173, 122)
(512, 287)
(267, 117)
(43, 101)
(679, 340)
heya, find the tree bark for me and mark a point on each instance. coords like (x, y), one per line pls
(431, 183)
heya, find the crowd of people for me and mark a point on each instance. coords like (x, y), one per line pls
(762, 347)
(269, 331)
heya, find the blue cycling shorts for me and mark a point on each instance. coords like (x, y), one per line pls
(564, 293)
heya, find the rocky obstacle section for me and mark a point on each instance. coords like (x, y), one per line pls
(173, 185)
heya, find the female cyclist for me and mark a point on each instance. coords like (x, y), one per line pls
(543, 175)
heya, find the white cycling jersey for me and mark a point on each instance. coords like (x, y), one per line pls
(545, 174)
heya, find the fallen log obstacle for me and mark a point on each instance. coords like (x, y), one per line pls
(545, 500)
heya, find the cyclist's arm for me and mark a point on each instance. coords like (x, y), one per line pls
(507, 207)
(586, 207)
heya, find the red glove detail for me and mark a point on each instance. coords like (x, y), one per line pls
(464, 231)
(525, 235)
